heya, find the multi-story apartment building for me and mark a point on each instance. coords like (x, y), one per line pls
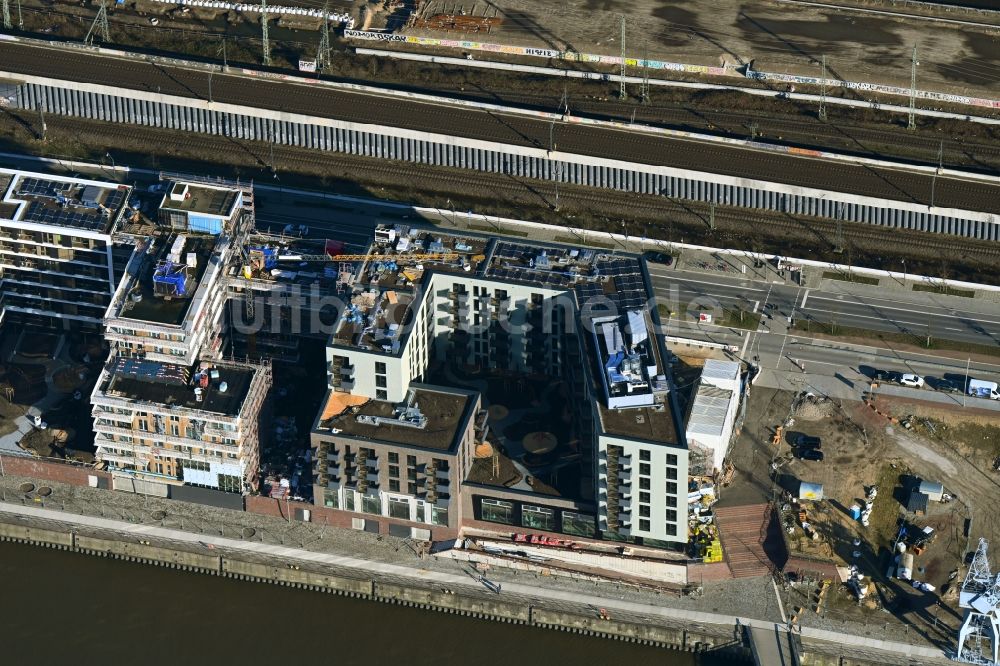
(642, 461)
(167, 407)
(58, 257)
(509, 311)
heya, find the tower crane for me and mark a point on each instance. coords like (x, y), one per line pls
(979, 636)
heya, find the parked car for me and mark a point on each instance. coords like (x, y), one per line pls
(810, 454)
(659, 258)
(808, 442)
(914, 381)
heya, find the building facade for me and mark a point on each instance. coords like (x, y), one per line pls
(58, 258)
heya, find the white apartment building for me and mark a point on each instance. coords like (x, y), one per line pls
(642, 461)
(58, 262)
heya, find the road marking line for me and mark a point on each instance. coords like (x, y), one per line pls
(756, 304)
(805, 297)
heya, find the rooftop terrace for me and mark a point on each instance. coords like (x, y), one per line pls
(590, 273)
(72, 203)
(445, 411)
(169, 385)
(199, 199)
(167, 302)
(655, 424)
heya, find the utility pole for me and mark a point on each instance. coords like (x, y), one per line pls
(912, 123)
(622, 93)
(711, 215)
(937, 171)
(6, 15)
(644, 91)
(266, 42)
(822, 91)
(100, 23)
(45, 128)
(564, 102)
(20, 17)
(323, 56)
(222, 52)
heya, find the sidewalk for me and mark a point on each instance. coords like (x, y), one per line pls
(419, 575)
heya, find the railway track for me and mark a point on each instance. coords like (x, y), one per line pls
(893, 184)
(580, 207)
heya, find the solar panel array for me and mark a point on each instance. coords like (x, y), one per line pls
(629, 288)
(75, 214)
(150, 370)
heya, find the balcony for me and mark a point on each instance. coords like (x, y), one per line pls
(347, 371)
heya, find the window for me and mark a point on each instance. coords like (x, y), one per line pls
(411, 474)
(538, 517)
(349, 500)
(331, 499)
(578, 524)
(672, 515)
(394, 471)
(671, 530)
(671, 488)
(671, 459)
(670, 500)
(644, 454)
(672, 473)
(411, 461)
(439, 516)
(644, 525)
(644, 468)
(379, 368)
(644, 497)
(393, 457)
(394, 485)
(644, 510)
(229, 483)
(399, 508)
(421, 512)
(498, 511)
(412, 488)
(381, 394)
(370, 504)
(644, 482)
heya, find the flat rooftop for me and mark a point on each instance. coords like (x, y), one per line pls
(446, 411)
(200, 199)
(655, 424)
(589, 272)
(72, 203)
(169, 385)
(168, 310)
(376, 320)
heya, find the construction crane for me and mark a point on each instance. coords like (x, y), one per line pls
(979, 636)
(437, 256)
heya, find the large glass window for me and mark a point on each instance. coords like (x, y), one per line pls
(498, 511)
(349, 500)
(399, 508)
(330, 499)
(421, 512)
(439, 516)
(578, 524)
(370, 504)
(538, 517)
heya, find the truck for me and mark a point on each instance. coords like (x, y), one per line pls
(981, 389)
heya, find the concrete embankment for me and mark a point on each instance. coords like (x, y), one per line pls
(722, 635)
(453, 601)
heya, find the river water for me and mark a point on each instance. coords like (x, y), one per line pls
(60, 608)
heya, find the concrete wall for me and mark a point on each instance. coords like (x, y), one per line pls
(193, 115)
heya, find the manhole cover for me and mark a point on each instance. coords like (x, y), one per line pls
(26, 487)
(44, 491)
(159, 515)
(248, 532)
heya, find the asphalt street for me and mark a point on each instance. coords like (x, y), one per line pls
(890, 314)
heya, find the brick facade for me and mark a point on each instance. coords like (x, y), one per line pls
(53, 470)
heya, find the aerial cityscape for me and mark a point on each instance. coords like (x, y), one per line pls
(654, 332)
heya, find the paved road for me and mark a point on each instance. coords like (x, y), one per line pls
(920, 316)
(517, 130)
